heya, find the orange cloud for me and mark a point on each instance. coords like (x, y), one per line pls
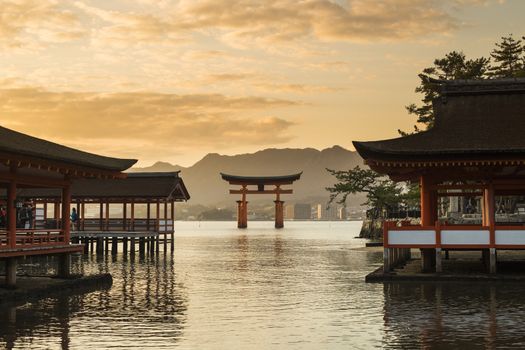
(26, 23)
(278, 21)
(135, 122)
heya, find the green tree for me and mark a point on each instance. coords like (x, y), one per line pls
(508, 58)
(383, 195)
(454, 65)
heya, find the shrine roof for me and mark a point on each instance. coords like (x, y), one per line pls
(474, 119)
(16, 143)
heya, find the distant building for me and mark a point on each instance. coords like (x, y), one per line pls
(289, 212)
(330, 213)
(342, 213)
(302, 211)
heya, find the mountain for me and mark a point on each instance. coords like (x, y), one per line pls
(207, 188)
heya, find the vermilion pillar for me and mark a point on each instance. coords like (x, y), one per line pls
(428, 218)
(489, 219)
(11, 214)
(242, 214)
(279, 214)
(427, 207)
(66, 204)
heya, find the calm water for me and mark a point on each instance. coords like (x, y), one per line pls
(297, 288)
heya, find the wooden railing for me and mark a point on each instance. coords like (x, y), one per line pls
(33, 238)
(454, 236)
(154, 225)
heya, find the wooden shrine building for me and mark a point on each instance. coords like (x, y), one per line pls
(475, 151)
(260, 182)
(28, 162)
(135, 206)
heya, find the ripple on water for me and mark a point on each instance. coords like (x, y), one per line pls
(298, 288)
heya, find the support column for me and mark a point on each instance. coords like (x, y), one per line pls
(492, 260)
(489, 217)
(428, 218)
(242, 214)
(172, 241)
(10, 272)
(279, 214)
(386, 260)
(439, 268)
(66, 204)
(64, 266)
(11, 214)
(101, 215)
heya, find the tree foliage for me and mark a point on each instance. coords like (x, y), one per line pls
(508, 57)
(383, 195)
(454, 65)
(508, 61)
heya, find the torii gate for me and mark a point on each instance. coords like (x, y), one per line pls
(260, 182)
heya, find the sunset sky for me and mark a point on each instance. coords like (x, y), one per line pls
(174, 80)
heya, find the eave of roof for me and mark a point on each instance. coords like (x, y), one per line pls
(475, 120)
(16, 143)
(256, 180)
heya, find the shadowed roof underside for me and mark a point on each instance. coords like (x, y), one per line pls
(136, 185)
(17, 143)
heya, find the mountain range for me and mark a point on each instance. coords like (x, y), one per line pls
(207, 188)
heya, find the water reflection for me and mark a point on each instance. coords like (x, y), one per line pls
(146, 301)
(297, 288)
(466, 316)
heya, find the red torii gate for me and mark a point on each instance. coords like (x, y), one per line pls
(260, 182)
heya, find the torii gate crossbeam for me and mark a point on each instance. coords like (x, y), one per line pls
(260, 182)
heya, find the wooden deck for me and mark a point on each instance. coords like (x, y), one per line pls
(114, 234)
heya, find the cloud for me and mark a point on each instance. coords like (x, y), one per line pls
(281, 21)
(144, 123)
(31, 23)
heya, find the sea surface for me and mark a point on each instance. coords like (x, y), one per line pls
(301, 287)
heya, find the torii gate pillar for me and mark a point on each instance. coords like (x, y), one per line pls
(242, 214)
(279, 214)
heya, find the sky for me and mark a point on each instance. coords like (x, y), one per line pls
(160, 80)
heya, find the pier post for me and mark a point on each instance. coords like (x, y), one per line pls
(132, 246)
(114, 245)
(439, 268)
(386, 260)
(493, 259)
(86, 245)
(142, 246)
(428, 260)
(106, 244)
(125, 245)
(172, 242)
(64, 265)
(157, 242)
(10, 272)
(100, 245)
(152, 245)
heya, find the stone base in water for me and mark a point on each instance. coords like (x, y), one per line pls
(34, 288)
(461, 267)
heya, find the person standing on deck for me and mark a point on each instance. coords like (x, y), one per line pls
(74, 219)
(3, 217)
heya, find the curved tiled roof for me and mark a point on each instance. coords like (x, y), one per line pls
(17, 143)
(261, 180)
(476, 119)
